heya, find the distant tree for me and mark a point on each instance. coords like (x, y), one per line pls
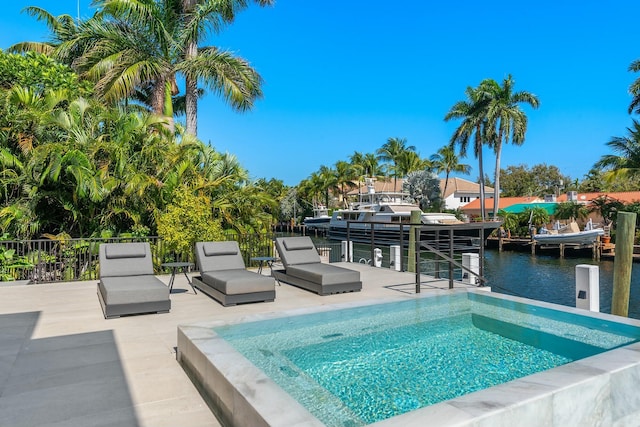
(571, 210)
(446, 160)
(473, 113)
(424, 188)
(506, 122)
(392, 151)
(517, 181)
(290, 206)
(540, 180)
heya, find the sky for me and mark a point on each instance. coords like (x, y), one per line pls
(344, 76)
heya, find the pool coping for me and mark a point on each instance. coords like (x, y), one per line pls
(598, 390)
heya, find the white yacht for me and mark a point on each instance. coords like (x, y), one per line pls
(386, 213)
(319, 220)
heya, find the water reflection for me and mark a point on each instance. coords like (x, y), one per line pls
(551, 279)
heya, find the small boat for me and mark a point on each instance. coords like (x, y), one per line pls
(569, 234)
(319, 220)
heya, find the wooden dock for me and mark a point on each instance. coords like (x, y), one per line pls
(597, 249)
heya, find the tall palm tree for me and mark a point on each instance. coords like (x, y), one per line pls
(627, 161)
(392, 151)
(446, 160)
(473, 112)
(199, 16)
(133, 49)
(634, 88)
(506, 121)
(345, 175)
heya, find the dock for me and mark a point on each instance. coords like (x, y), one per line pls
(598, 249)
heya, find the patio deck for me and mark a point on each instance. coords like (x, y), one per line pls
(63, 364)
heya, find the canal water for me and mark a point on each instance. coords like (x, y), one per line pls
(552, 279)
(541, 277)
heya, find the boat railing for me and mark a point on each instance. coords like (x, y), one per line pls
(439, 249)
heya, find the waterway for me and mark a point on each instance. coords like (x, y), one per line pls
(552, 279)
(541, 277)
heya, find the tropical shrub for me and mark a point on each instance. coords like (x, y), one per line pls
(188, 219)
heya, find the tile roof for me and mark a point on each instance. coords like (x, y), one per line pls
(460, 185)
(504, 202)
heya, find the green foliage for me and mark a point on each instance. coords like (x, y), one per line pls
(39, 73)
(541, 179)
(187, 220)
(9, 263)
(571, 210)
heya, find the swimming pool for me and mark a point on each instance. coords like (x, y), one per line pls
(386, 363)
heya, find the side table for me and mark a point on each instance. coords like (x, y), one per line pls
(175, 266)
(268, 260)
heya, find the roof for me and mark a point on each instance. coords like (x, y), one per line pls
(550, 208)
(621, 196)
(459, 185)
(504, 202)
(380, 185)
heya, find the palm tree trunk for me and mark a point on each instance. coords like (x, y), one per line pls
(481, 172)
(496, 189)
(191, 84)
(191, 95)
(444, 191)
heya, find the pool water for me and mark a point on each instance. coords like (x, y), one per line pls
(356, 366)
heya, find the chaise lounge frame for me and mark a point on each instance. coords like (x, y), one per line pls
(303, 268)
(127, 282)
(224, 277)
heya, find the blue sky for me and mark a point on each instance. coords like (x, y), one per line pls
(344, 76)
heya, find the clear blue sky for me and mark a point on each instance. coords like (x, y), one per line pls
(344, 76)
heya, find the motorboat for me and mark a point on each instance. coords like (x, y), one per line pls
(319, 220)
(569, 234)
(385, 214)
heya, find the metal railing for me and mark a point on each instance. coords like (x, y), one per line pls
(47, 261)
(439, 248)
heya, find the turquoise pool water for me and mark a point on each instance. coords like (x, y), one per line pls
(356, 366)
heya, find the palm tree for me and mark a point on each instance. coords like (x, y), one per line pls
(345, 175)
(200, 15)
(446, 160)
(634, 88)
(392, 151)
(134, 49)
(627, 162)
(473, 112)
(506, 122)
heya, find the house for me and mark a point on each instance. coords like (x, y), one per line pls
(460, 192)
(472, 209)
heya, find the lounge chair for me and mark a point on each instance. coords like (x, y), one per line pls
(223, 275)
(127, 283)
(303, 268)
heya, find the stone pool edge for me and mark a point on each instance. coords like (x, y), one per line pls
(598, 390)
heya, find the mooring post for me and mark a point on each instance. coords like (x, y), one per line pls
(622, 263)
(415, 219)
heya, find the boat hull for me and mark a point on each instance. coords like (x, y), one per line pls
(391, 234)
(578, 238)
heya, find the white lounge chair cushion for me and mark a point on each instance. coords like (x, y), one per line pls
(234, 282)
(130, 289)
(323, 274)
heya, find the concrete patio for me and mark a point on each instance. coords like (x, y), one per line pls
(63, 364)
